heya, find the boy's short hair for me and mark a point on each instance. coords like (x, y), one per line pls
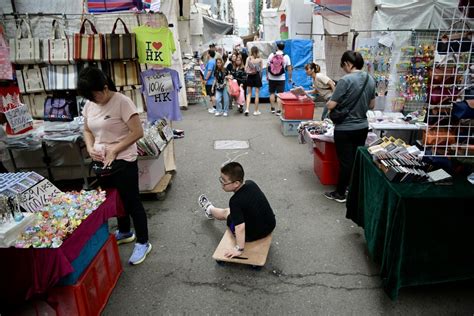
(234, 171)
(212, 53)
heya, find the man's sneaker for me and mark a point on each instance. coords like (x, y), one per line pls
(256, 113)
(205, 204)
(225, 114)
(272, 110)
(335, 196)
(139, 253)
(211, 110)
(124, 238)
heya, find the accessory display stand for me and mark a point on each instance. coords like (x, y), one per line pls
(450, 130)
(193, 82)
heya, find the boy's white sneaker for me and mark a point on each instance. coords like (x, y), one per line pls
(206, 205)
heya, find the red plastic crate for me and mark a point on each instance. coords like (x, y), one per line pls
(326, 170)
(295, 108)
(327, 150)
(91, 292)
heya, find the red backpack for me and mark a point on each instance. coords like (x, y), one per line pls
(276, 65)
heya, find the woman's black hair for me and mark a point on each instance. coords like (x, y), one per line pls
(92, 79)
(313, 66)
(354, 58)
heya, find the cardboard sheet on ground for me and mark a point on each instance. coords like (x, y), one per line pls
(255, 252)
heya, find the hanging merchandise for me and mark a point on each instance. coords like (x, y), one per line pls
(161, 89)
(25, 50)
(35, 103)
(125, 73)
(152, 5)
(58, 50)
(62, 108)
(135, 94)
(19, 118)
(88, 46)
(120, 46)
(110, 5)
(154, 45)
(10, 99)
(62, 77)
(31, 79)
(6, 70)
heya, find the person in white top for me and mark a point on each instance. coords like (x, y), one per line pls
(322, 84)
(278, 63)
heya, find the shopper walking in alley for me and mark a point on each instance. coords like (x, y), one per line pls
(238, 73)
(253, 68)
(249, 216)
(322, 84)
(355, 92)
(111, 128)
(209, 78)
(219, 87)
(278, 64)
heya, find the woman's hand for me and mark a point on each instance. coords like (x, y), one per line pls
(110, 156)
(95, 155)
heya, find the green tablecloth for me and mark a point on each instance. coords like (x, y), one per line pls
(419, 233)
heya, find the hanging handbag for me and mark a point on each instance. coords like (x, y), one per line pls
(338, 114)
(6, 70)
(35, 103)
(32, 79)
(88, 46)
(59, 51)
(134, 93)
(10, 99)
(463, 110)
(62, 77)
(60, 108)
(25, 50)
(96, 6)
(120, 46)
(125, 73)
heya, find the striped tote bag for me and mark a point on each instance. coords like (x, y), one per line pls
(88, 46)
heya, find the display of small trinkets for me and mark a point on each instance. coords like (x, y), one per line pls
(377, 62)
(10, 209)
(14, 183)
(59, 217)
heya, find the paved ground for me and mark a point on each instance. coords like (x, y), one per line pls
(318, 262)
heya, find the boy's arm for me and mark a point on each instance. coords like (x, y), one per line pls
(240, 241)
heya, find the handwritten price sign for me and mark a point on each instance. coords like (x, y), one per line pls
(159, 83)
(19, 118)
(34, 198)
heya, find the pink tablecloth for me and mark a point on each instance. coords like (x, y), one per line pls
(27, 272)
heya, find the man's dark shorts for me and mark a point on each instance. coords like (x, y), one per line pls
(209, 91)
(276, 86)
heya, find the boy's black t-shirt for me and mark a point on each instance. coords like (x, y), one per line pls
(250, 206)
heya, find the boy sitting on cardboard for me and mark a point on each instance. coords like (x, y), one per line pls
(249, 216)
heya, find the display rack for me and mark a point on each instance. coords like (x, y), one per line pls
(450, 130)
(193, 82)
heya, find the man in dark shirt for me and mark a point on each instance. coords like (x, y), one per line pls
(250, 216)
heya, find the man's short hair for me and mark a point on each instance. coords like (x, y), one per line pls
(281, 45)
(234, 171)
(212, 53)
(212, 45)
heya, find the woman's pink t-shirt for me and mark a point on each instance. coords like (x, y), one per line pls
(108, 123)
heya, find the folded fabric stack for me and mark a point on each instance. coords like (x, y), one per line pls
(62, 131)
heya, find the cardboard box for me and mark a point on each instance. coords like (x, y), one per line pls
(150, 171)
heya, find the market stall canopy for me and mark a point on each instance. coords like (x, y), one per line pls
(225, 42)
(212, 26)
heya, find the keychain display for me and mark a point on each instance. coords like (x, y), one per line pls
(378, 60)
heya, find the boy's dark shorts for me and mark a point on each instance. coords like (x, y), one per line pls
(209, 91)
(276, 86)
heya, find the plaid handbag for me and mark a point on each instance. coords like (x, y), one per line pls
(60, 108)
(58, 50)
(62, 77)
(125, 73)
(120, 46)
(88, 46)
(6, 70)
(25, 50)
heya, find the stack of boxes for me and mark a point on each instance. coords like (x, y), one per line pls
(295, 110)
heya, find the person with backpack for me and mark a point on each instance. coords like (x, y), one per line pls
(253, 68)
(278, 63)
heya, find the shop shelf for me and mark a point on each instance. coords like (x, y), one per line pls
(91, 292)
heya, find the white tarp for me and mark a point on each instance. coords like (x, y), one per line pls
(265, 48)
(271, 24)
(213, 27)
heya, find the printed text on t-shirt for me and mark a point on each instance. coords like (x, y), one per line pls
(152, 55)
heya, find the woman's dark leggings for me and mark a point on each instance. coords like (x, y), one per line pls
(126, 182)
(346, 147)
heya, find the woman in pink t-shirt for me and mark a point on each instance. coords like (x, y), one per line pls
(111, 129)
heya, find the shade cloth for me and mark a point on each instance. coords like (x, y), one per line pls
(419, 233)
(27, 272)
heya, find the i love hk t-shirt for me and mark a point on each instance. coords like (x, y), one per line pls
(154, 45)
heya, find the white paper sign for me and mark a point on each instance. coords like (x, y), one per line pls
(34, 198)
(19, 118)
(386, 40)
(159, 83)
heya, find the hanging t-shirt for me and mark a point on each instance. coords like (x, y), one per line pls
(161, 90)
(154, 45)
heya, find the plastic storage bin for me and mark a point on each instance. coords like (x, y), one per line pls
(289, 127)
(326, 170)
(296, 108)
(91, 292)
(327, 150)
